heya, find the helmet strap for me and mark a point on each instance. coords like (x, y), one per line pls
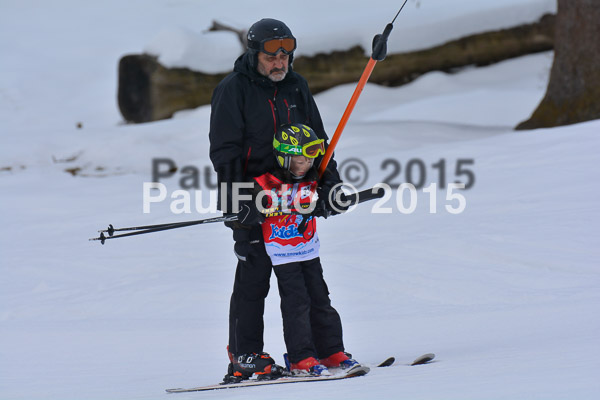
(287, 160)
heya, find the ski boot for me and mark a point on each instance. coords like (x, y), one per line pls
(309, 366)
(339, 360)
(242, 367)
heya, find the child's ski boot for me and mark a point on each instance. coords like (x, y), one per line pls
(310, 366)
(340, 360)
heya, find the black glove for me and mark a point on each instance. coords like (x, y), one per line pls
(327, 204)
(249, 214)
(321, 209)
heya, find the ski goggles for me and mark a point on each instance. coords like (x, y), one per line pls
(272, 46)
(310, 150)
(314, 149)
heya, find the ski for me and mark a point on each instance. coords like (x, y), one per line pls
(386, 363)
(358, 370)
(424, 359)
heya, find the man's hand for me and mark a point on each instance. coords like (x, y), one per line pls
(249, 214)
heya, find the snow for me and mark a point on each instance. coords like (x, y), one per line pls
(182, 48)
(505, 293)
(427, 23)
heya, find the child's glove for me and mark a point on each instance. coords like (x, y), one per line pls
(321, 209)
(327, 203)
(329, 189)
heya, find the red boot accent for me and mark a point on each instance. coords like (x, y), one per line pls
(229, 354)
(265, 371)
(334, 360)
(305, 364)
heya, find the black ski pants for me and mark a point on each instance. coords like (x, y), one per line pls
(312, 327)
(250, 288)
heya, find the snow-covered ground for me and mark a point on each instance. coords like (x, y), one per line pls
(506, 293)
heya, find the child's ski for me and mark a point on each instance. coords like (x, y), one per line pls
(424, 359)
(358, 370)
(387, 362)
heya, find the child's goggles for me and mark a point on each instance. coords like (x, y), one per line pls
(310, 150)
(313, 149)
(272, 46)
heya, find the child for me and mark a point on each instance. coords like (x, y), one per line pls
(312, 327)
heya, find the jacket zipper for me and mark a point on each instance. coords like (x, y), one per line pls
(247, 159)
(288, 110)
(273, 108)
(274, 117)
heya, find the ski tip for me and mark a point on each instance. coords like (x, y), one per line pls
(358, 370)
(387, 362)
(424, 359)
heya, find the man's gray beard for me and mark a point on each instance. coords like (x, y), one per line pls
(264, 72)
(277, 79)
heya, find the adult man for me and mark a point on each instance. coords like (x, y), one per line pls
(262, 93)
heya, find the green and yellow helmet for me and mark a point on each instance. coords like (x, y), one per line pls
(296, 140)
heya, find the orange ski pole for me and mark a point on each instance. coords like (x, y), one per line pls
(378, 54)
(342, 124)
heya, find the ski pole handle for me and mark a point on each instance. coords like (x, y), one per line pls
(373, 193)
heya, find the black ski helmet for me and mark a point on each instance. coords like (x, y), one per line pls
(296, 140)
(266, 29)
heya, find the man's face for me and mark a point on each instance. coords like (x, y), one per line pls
(273, 67)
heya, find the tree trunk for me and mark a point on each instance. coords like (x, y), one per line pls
(573, 93)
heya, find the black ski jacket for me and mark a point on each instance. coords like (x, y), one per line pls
(246, 110)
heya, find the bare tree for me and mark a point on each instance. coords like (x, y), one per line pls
(573, 93)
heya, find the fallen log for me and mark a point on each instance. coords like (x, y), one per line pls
(148, 91)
